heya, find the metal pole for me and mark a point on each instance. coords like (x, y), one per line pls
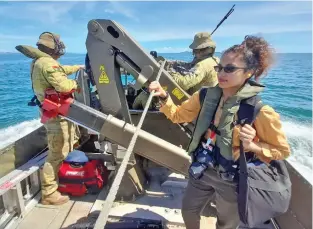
(104, 214)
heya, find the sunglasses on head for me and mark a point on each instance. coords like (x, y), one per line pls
(228, 68)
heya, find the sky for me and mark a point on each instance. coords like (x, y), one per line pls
(164, 26)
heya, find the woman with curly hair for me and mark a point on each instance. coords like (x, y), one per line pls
(216, 130)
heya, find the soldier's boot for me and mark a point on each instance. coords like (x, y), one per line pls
(54, 199)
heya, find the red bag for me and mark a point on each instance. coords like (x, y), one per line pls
(77, 179)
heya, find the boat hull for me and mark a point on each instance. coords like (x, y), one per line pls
(22, 150)
(298, 215)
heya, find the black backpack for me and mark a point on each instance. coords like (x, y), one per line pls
(264, 191)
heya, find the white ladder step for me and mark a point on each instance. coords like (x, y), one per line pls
(19, 191)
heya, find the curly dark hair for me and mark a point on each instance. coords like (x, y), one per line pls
(257, 54)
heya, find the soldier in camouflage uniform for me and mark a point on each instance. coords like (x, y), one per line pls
(200, 71)
(48, 73)
(141, 100)
(196, 74)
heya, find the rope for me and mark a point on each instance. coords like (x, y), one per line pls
(104, 214)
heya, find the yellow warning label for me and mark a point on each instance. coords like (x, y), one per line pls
(103, 78)
(178, 93)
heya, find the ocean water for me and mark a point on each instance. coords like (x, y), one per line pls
(288, 90)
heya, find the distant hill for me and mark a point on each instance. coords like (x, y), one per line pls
(5, 52)
(186, 52)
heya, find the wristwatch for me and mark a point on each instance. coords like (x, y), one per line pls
(163, 99)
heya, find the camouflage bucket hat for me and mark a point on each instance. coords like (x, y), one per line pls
(202, 40)
(47, 40)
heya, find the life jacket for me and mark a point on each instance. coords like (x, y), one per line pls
(78, 175)
(263, 190)
(209, 99)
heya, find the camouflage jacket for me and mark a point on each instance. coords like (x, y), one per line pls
(48, 73)
(201, 74)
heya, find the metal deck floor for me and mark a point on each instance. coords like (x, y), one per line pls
(55, 217)
(161, 202)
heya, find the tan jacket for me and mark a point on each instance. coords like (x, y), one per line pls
(268, 128)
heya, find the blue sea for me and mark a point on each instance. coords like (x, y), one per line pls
(288, 91)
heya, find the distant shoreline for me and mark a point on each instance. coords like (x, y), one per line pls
(187, 52)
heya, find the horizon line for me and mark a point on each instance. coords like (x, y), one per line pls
(14, 52)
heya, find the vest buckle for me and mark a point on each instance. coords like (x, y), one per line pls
(214, 129)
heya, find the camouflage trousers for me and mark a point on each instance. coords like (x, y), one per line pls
(61, 137)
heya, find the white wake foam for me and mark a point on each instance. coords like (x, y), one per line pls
(299, 137)
(300, 140)
(12, 133)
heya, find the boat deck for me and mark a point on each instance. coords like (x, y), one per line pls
(160, 202)
(53, 217)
